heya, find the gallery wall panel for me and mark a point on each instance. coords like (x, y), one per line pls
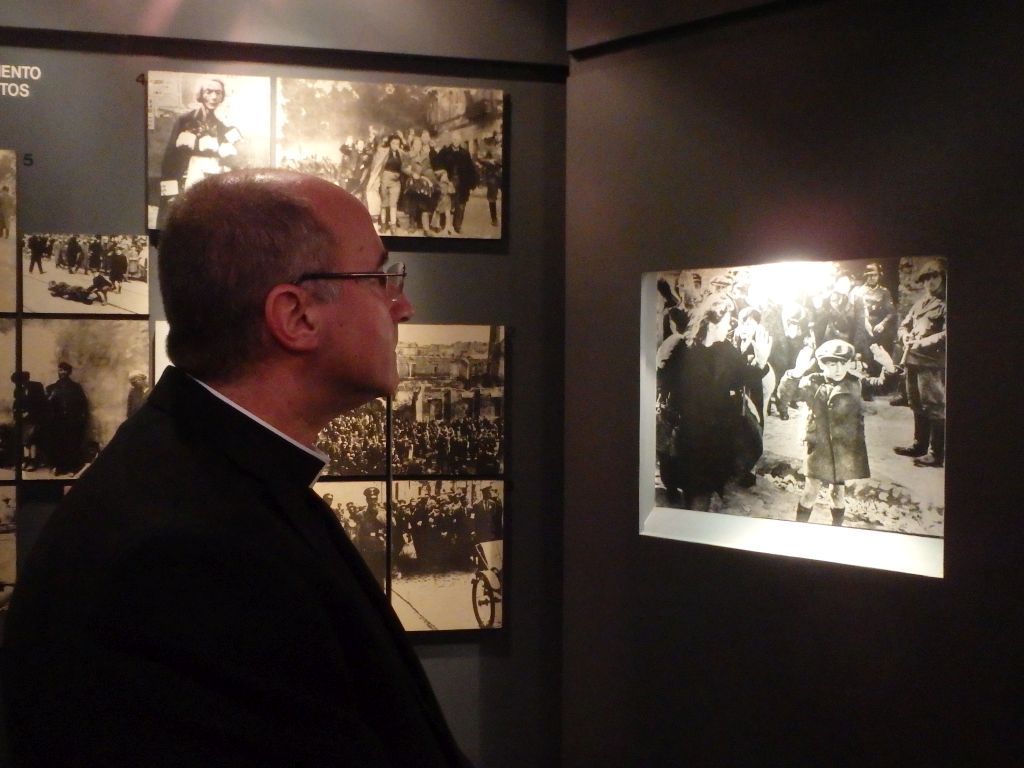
(78, 138)
(832, 131)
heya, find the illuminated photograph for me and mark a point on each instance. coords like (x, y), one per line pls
(805, 392)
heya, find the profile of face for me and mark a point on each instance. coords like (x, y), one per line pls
(834, 369)
(211, 94)
(361, 323)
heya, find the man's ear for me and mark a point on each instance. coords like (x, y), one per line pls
(292, 318)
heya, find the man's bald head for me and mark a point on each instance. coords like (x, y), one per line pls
(228, 240)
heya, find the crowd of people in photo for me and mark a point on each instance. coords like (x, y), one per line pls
(55, 422)
(109, 261)
(437, 530)
(356, 442)
(726, 363)
(414, 183)
(463, 445)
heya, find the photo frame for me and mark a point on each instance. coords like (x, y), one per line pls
(425, 160)
(764, 338)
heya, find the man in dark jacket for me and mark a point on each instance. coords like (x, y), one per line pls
(192, 602)
(457, 161)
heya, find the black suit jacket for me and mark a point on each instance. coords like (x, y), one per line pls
(193, 603)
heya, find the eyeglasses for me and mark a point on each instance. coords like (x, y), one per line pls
(391, 280)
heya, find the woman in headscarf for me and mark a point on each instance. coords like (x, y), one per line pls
(704, 435)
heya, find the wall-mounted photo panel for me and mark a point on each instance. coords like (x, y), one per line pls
(198, 125)
(426, 160)
(448, 412)
(13, 398)
(447, 547)
(8, 544)
(356, 442)
(8, 231)
(84, 273)
(798, 408)
(359, 506)
(90, 371)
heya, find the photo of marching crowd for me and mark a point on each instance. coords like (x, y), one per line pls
(85, 273)
(427, 161)
(449, 407)
(805, 391)
(78, 380)
(447, 553)
(200, 125)
(446, 546)
(8, 231)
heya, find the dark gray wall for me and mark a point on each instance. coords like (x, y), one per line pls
(524, 31)
(836, 129)
(590, 23)
(84, 125)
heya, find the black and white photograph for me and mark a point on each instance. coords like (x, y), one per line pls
(8, 230)
(447, 547)
(426, 160)
(806, 392)
(198, 125)
(356, 442)
(449, 409)
(360, 507)
(8, 544)
(84, 273)
(83, 377)
(11, 401)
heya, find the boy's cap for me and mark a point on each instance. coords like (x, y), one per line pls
(835, 349)
(931, 267)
